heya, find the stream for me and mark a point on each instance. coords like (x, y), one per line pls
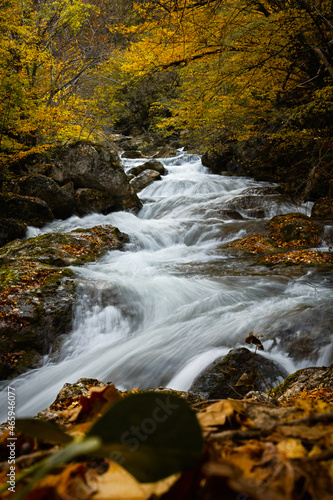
(161, 310)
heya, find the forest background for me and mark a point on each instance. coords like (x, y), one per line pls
(247, 80)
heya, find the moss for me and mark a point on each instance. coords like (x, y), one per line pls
(284, 386)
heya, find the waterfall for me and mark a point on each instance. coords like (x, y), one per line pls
(159, 311)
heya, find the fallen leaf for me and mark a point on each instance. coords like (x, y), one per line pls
(218, 413)
(291, 448)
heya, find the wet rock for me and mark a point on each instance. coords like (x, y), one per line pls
(219, 380)
(67, 249)
(253, 205)
(80, 388)
(88, 165)
(306, 379)
(256, 213)
(37, 308)
(38, 292)
(132, 155)
(31, 211)
(60, 201)
(11, 229)
(91, 200)
(323, 208)
(294, 230)
(144, 179)
(231, 214)
(223, 160)
(302, 333)
(148, 165)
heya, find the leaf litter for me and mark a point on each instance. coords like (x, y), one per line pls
(252, 450)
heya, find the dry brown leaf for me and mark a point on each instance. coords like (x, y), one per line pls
(217, 413)
(291, 448)
(93, 405)
(72, 483)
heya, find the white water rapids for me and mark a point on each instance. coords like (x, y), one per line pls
(171, 302)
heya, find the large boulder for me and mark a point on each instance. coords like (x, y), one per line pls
(221, 380)
(90, 200)
(306, 379)
(144, 179)
(38, 305)
(60, 201)
(11, 229)
(223, 161)
(95, 167)
(65, 249)
(323, 208)
(294, 230)
(38, 292)
(31, 211)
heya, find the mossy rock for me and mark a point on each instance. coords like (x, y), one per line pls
(65, 249)
(306, 379)
(323, 208)
(37, 308)
(294, 230)
(299, 258)
(253, 244)
(11, 229)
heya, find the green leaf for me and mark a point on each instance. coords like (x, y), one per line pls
(152, 435)
(42, 430)
(82, 447)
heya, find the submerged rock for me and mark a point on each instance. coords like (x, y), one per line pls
(144, 179)
(219, 380)
(148, 165)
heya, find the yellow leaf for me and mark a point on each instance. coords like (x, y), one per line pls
(291, 448)
(218, 413)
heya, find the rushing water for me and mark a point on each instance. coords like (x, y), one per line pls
(171, 302)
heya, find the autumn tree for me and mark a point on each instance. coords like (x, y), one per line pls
(239, 64)
(50, 56)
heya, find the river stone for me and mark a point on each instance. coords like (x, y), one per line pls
(219, 380)
(294, 229)
(306, 379)
(60, 201)
(144, 179)
(223, 160)
(65, 249)
(132, 155)
(31, 211)
(38, 305)
(91, 166)
(91, 200)
(38, 294)
(323, 208)
(11, 229)
(148, 165)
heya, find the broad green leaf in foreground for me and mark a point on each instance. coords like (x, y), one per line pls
(152, 435)
(42, 430)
